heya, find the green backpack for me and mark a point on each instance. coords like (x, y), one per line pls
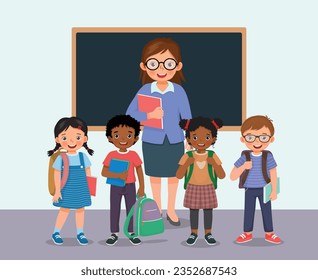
(146, 216)
(210, 169)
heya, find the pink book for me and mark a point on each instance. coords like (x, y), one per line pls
(148, 104)
(91, 185)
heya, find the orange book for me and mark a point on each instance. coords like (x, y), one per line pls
(148, 104)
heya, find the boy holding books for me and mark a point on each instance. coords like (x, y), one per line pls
(257, 134)
(122, 131)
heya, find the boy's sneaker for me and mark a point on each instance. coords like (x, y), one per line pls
(192, 239)
(134, 240)
(57, 239)
(244, 237)
(81, 238)
(273, 238)
(209, 239)
(112, 240)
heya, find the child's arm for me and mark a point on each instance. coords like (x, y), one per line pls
(109, 174)
(217, 166)
(140, 175)
(237, 171)
(88, 171)
(273, 177)
(57, 182)
(183, 168)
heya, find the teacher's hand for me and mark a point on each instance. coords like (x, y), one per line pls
(156, 114)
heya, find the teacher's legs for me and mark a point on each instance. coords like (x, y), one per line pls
(155, 183)
(172, 193)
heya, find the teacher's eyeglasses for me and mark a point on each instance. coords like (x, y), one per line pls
(168, 64)
(264, 138)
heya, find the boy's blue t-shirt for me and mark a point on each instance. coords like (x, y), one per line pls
(255, 178)
(73, 159)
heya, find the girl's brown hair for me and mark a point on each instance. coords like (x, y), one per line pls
(161, 45)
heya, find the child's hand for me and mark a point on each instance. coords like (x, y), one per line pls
(156, 114)
(211, 161)
(140, 192)
(273, 196)
(56, 196)
(247, 164)
(123, 175)
(189, 161)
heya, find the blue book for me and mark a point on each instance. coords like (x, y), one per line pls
(117, 166)
(268, 189)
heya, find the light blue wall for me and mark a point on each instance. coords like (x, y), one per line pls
(35, 88)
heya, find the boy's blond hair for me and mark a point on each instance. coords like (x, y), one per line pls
(257, 122)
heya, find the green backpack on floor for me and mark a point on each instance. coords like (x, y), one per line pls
(147, 218)
(212, 174)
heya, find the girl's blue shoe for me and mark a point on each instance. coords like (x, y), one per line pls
(57, 239)
(81, 238)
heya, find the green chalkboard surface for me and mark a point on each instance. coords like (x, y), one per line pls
(106, 71)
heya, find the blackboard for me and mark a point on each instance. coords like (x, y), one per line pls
(106, 71)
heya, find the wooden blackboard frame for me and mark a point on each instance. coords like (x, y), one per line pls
(241, 30)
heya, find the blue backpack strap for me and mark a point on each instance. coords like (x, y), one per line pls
(188, 174)
(212, 173)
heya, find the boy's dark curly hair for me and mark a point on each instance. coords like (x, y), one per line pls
(122, 120)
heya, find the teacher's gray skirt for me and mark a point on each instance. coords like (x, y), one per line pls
(161, 160)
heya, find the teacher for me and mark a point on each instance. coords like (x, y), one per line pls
(161, 76)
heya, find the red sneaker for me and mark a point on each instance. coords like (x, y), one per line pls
(244, 237)
(273, 238)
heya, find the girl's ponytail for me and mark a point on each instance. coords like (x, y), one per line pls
(51, 152)
(217, 123)
(90, 151)
(184, 124)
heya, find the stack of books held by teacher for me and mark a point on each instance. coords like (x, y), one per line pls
(147, 104)
(117, 166)
(268, 189)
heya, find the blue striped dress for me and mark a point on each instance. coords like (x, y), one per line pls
(75, 193)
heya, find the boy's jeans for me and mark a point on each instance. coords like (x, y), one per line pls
(249, 210)
(116, 193)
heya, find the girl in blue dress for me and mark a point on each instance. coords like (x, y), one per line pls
(71, 135)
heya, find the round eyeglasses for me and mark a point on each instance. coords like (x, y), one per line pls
(264, 138)
(168, 64)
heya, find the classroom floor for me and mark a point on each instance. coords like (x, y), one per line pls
(26, 235)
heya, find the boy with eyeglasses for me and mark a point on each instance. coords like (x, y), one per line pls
(257, 134)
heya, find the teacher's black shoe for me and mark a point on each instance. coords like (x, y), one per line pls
(172, 222)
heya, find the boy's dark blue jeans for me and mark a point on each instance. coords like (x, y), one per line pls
(249, 211)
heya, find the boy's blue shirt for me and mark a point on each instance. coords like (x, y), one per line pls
(255, 178)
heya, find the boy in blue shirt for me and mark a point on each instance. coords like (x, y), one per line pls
(257, 134)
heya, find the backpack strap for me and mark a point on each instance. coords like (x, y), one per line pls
(212, 173)
(127, 220)
(188, 174)
(264, 166)
(245, 173)
(66, 164)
